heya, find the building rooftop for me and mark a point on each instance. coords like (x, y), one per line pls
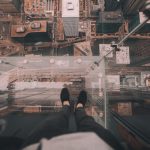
(70, 8)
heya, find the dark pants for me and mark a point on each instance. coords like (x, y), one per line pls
(59, 125)
(87, 123)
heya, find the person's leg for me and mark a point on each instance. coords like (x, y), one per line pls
(54, 125)
(87, 123)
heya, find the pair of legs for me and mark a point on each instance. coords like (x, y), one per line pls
(58, 124)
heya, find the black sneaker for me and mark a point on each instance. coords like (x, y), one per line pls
(82, 98)
(64, 95)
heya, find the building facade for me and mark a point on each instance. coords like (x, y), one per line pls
(10, 6)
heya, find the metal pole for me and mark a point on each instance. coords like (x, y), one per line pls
(133, 31)
(125, 38)
(106, 119)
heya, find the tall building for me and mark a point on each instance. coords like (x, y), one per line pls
(70, 15)
(10, 6)
(109, 21)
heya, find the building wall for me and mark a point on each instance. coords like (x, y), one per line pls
(139, 51)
